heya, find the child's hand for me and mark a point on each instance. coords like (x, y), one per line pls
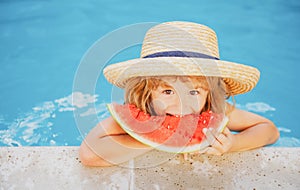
(219, 143)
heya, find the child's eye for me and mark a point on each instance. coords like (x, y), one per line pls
(194, 92)
(168, 92)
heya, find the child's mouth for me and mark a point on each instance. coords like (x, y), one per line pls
(175, 115)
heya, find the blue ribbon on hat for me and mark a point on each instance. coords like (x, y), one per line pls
(181, 54)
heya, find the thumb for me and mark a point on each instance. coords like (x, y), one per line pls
(226, 131)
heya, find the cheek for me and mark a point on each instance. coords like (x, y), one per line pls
(202, 100)
(158, 106)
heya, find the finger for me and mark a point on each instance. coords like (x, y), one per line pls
(185, 156)
(226, 131)
(202, 151)
(214, 132)
(213, 151)
(193, 153)
(228, 135)
(223, 143)
(218, 146)
(222, 139)
(210, 137)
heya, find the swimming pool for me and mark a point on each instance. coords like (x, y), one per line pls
(43, 43)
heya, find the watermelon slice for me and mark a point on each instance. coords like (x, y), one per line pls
(167, 133)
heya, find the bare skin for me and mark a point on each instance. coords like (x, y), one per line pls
(107, 144)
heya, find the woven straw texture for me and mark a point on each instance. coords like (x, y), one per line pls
(186, 37)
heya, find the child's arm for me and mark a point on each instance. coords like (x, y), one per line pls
(107, 144)
(254, 131)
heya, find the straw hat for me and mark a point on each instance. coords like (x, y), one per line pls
(183, 49)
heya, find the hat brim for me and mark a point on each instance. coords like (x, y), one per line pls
(239, 78)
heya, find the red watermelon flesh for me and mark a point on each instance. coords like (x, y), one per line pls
(168, 133)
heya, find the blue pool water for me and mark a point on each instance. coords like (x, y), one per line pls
(43, 42)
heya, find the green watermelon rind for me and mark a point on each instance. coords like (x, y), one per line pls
(162, 147)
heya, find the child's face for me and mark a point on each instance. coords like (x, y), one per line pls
(178, 97)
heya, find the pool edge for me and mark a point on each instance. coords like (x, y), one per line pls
(59, 167)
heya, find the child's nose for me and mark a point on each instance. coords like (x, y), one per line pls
(184, 104)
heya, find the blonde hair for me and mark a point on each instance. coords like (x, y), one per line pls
(138, 91)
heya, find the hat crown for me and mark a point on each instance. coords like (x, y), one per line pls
(180, 36)
(183, 49)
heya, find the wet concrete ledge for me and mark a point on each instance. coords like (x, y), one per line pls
(60, 168)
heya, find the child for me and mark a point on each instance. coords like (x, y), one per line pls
(179, 73)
